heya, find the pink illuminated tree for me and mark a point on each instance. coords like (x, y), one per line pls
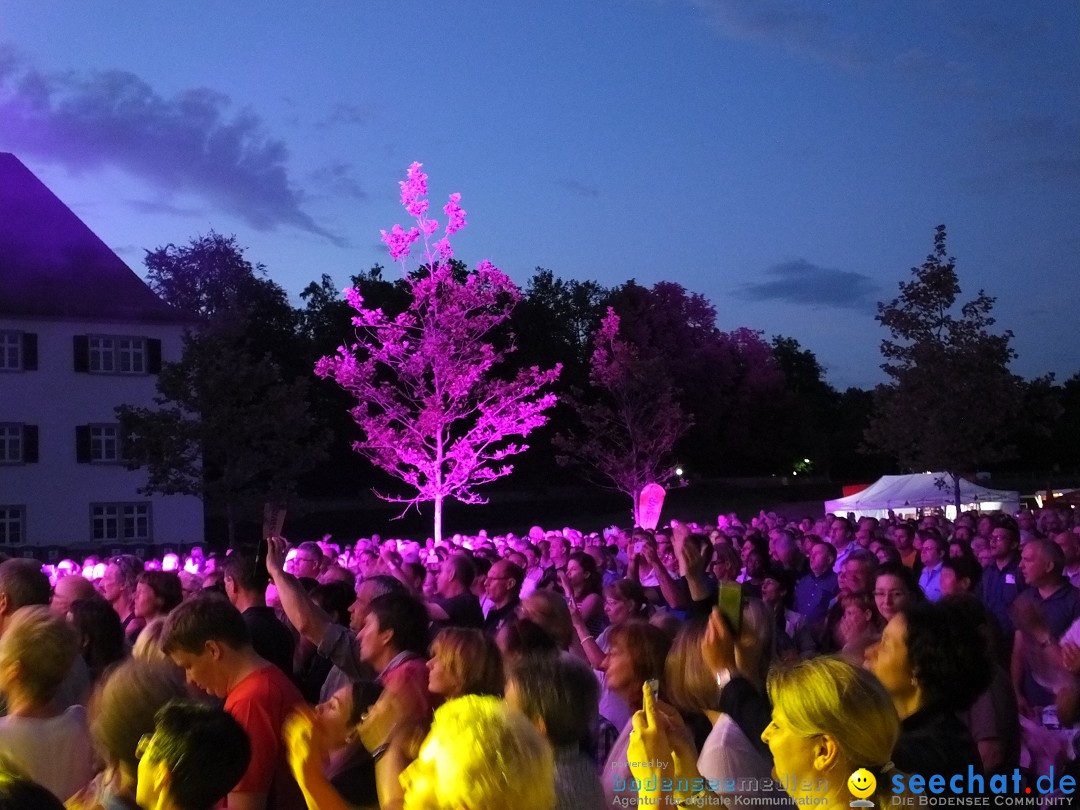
(432, 409)
(631, 423)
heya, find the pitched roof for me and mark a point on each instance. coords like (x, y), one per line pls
(53, 266)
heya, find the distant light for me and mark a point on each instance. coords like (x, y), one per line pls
(678, 471)
(806, 461)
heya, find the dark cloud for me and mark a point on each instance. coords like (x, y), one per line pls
(800, 282)
(579, 188)
(337, 180)
(189, 143)
(1029, 149)
(803, 29)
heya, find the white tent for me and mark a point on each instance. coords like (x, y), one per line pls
(905, 493)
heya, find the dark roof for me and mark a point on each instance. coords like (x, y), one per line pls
(53, 266)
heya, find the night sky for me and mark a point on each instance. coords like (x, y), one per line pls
(789, 160)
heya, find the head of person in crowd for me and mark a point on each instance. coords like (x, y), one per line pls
(208, 639)
(886, 553)
(335, 598)
(857, 572)
(340, 715)
(245, 583)
(190, 583)
(118, 582)
(822, 556)
(503, 583)
(369, 589)
(456, 576)
(1042, 563)
(841, 533)
(582, 575)
(777, 588)
(559, 694)
(36, 654)
(458, 768)
(903, 537)
(395, 623)
(726, 563)
(960, 575)
(829, 718)
(20, 793)
(122, 711)
(195, 756)
(931, 657)
(860, 623)
(22, 584)
(636, 653)
(689, 684)
(895, 586)
(518, 637)
(67, 589)
(1069, 543)
(786, 550)
(625, 599)
(1004, 541)
(156, 594)
(464, 661)
(934, 549)
(550, 611)
(307, 562)
(99, 633)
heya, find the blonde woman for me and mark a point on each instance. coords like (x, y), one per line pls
(464, 661)
(829, 719)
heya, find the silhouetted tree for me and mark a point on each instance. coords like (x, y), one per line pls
(952, 396)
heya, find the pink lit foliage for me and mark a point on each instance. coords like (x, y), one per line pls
(432, 410)
(631, 424)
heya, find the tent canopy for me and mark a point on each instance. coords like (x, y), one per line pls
(906, 493)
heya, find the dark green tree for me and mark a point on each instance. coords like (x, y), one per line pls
(232, 423)
(951, 398)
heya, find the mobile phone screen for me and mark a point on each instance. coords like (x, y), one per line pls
(729, 600)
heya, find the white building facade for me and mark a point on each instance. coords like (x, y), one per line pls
(80, 334)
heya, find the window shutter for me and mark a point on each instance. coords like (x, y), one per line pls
(30, 444)
(153, 356)
(82, 444)
(29, 351)
(82, 353)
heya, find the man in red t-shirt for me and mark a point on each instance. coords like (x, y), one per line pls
(207, 637)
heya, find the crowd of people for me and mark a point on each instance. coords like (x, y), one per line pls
(743, 662)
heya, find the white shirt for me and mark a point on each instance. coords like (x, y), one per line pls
(55, 752)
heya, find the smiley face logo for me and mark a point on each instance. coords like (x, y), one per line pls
(862, 783)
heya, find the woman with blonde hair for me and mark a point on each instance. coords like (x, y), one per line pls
(830, 718)
(464, 661)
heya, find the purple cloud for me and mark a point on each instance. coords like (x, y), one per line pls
(187, 143)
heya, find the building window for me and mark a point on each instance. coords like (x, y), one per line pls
(18, 351)
(12, 525)
(18, 444)
(120, 521)
(11, 444)
(117, 355)
(105, 443)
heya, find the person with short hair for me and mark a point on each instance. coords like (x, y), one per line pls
(156, 593)
(117, 585)
(67, 589)
(454, 604)
(246, 590)
(208, 638)
(48, 743)
(308, 561)
(194, 758)
(503, 586)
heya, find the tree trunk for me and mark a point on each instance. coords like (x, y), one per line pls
(636, 495)
(438, 518)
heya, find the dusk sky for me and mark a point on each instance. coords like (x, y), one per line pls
(789, 160)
